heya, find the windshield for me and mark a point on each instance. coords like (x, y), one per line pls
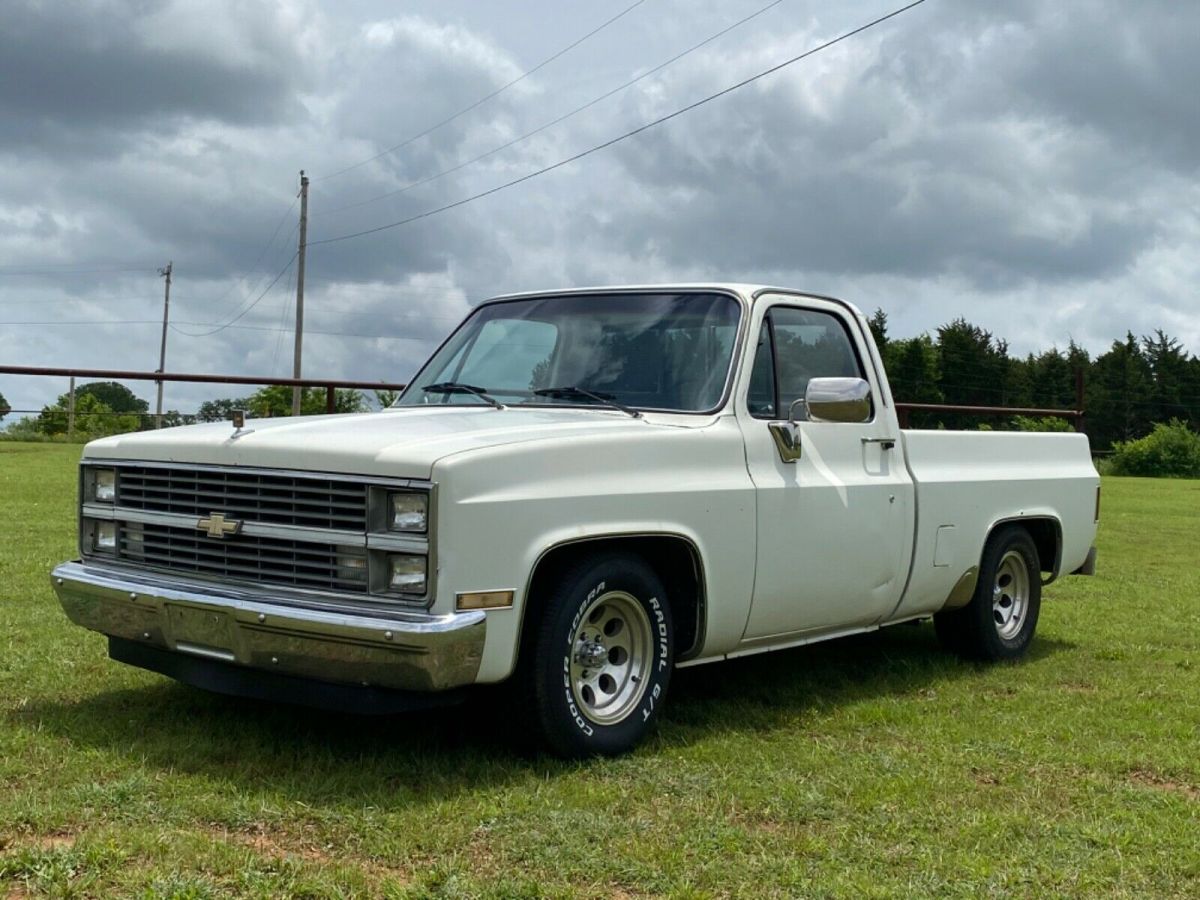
(644, 351)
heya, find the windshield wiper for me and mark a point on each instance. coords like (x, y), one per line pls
(572, 392)
(457, 387)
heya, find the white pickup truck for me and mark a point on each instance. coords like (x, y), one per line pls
(579, 491)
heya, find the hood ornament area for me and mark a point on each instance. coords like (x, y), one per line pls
(238, 418)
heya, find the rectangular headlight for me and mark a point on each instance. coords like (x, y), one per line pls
(406, 573)
(105, 485)
(408, 512)
(105, 537)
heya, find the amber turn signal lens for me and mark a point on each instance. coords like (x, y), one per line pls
(485, 600)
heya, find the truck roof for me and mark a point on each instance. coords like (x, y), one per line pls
(747, 290)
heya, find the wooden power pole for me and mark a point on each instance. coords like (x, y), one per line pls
(162, 350)
(296, 363)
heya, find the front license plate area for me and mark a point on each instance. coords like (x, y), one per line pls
(201, 632)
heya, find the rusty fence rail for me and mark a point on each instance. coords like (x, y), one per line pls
(1074, 416)
(331, 385)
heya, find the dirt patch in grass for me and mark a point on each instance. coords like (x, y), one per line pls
(1150, 779)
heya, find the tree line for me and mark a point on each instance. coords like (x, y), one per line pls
(1133, 385)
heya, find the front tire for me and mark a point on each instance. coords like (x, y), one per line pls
(999, 622)
(601, 658)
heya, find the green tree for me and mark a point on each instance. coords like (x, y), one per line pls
(1169, 366)
(276, 400)
(974, 369)
(912, 368)
(878, 323)
(1051, 380)
(1120, 394)
(115, 396)
(93, 418)
(4, 408)
(386, 398)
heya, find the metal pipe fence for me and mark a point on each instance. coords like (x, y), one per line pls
(904, 410)
(330, 385)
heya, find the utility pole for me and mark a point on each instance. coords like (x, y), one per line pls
(296, 368)
(162, 350)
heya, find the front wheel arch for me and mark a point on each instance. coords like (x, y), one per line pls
(675, 558)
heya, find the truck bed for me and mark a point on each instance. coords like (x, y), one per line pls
(967, 481)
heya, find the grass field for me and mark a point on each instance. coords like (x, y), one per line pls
(866, 767)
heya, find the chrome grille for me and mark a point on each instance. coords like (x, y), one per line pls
(305, 501)
(246, 558)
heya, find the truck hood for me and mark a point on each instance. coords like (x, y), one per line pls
(403, 442)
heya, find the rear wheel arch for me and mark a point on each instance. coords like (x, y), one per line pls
(675, 559)
(1046, 534)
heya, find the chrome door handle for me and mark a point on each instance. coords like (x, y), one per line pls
(885, 443)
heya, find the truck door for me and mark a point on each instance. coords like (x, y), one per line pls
(835, 526)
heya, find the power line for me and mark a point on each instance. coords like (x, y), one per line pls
(628, 134)
(4, 270)
(261, 253)
(247, 309)
(482, 100)
(560, 119)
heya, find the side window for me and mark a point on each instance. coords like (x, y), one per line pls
(807, 344)
(761, 399)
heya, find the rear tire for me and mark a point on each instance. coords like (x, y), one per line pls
(1000, 621)
(601, 657)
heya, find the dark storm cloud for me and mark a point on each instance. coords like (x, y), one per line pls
(74, 69)
(956, 150)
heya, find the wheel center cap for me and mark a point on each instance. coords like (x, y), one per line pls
(591, 654)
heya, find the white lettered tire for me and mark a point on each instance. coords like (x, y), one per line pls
(602, 654)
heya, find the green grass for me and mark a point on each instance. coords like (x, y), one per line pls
(876, 766)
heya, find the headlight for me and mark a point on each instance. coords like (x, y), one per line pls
(408, 512)
(105, 537)
(105, 490)
(406, 573)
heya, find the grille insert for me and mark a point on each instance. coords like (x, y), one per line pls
(246, 558)
(298, 500)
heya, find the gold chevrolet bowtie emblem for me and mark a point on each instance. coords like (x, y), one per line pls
(217, 526)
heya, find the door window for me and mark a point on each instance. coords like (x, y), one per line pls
(796, 345)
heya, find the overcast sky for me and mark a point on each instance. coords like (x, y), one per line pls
(1029, 165)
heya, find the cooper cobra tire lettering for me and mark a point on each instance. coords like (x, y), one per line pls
(575, 718)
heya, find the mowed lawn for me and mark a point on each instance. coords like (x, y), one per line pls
(876, 766)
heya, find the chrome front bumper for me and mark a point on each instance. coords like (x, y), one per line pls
(393, 648)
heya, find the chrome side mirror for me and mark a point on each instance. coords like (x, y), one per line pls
(838, 400)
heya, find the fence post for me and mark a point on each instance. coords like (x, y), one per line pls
(330, 399)
(71, 410)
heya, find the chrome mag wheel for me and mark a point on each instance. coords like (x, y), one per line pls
(611, 655)
(1010, 595)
